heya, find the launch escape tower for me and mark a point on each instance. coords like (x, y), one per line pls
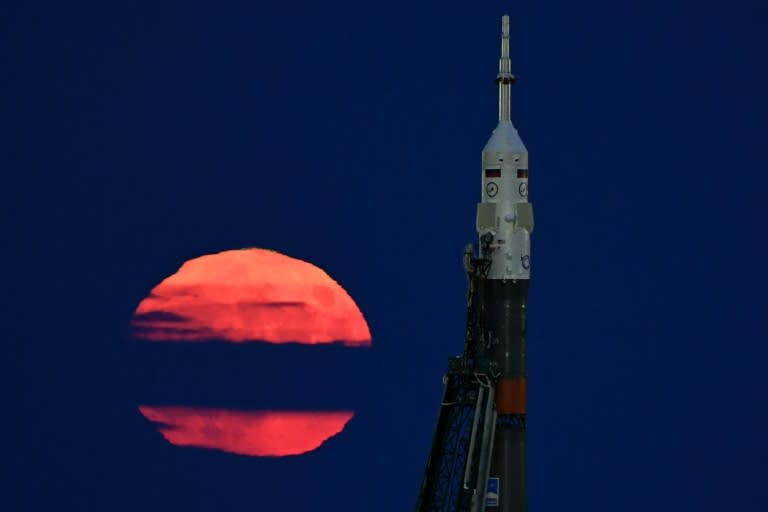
(477, 462)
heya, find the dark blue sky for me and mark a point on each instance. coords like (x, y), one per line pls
(137, 135)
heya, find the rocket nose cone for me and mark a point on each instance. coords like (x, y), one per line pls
(505, 139)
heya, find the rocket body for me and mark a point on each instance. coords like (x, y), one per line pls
(478, 458)
(504, 225)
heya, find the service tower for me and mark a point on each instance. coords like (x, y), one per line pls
(478, 458)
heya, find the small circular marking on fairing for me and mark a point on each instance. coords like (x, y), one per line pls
(526, 261)
(523, 189)
(491, 189)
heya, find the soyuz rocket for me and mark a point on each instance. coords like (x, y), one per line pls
(478, 458)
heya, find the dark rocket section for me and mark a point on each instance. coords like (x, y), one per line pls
(504, 310)
(508, 464)
(478, 457)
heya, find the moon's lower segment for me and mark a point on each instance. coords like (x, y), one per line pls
(254, 433)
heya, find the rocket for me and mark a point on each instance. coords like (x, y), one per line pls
(504, 225)
(478, 458)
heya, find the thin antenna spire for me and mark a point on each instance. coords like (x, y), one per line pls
(505, 78)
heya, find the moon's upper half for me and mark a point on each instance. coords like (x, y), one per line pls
(250, 295)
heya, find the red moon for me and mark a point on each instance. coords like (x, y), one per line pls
(249, 295)
(261, 433)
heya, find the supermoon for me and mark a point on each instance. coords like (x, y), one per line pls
(240, 296)
(260, 433)
(250, 295)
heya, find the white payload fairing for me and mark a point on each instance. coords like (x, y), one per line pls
(505, 217)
